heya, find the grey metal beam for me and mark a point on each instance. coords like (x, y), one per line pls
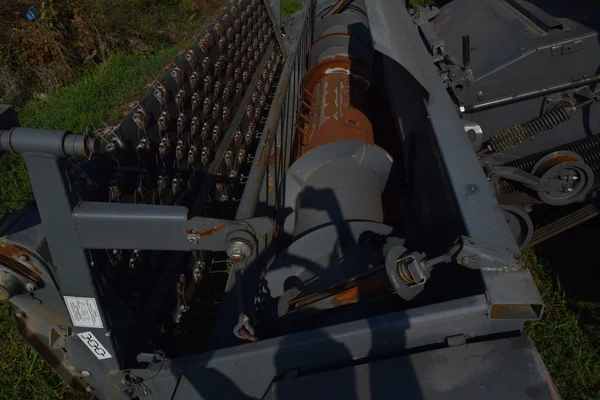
(75, 277)
(510, 369)
(476, 202)
(153, 227)
(323, 348)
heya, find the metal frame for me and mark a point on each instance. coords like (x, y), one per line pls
(72, 227)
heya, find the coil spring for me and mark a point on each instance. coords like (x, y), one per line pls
(403, 271)
(518, 134)
(588, 148)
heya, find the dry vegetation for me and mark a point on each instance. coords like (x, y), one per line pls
(68, 36)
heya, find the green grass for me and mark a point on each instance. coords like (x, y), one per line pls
(23, 374)
(288, 7)
(568, 347)
(93, 100)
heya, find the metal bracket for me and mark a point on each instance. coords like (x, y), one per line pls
(474, 133)
(487, 258)
(557, 182)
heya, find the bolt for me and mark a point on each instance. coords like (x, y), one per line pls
(575, 178)
(30, 287)
(569, 190)
(238, 250)
(193, 239)
(88, 389)
(23, 257)
(464, 261)
(85, 374)
(469, 79)
(19, 314)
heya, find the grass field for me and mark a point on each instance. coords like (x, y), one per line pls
(568, 336)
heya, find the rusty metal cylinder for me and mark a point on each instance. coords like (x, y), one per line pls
(336, 113)
(338, 78)
(338, 182)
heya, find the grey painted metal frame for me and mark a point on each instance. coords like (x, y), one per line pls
(248, 370)
(133, 226)
(477, 205)
(233, 372)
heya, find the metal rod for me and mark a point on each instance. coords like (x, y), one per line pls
(529, 95)
(254, 183)
(40, 141)
(466, 51)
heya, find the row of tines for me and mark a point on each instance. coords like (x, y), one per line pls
(193, 117)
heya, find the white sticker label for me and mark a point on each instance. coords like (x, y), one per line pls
(84, 312)
(94, 345)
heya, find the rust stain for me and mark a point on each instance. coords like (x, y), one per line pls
(9, 256)
(207, 232)
(274, 157)
(348, 296)
(264, 155)
(333, 65)
(554, 161)
(337, 112)
(244, 334)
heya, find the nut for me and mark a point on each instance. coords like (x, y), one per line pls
(193, 239)
(30, 287)
(238, 250)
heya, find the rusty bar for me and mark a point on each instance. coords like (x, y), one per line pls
(363, 288)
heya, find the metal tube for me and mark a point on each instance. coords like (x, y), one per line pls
(56, 143)
(251, 193)
(528, 95)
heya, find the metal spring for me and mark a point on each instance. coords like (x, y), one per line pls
(588, 148)
(403, 271)
(518, 134)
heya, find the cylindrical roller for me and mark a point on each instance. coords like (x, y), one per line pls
(336, 112)
(340, 190)
(333, 190)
